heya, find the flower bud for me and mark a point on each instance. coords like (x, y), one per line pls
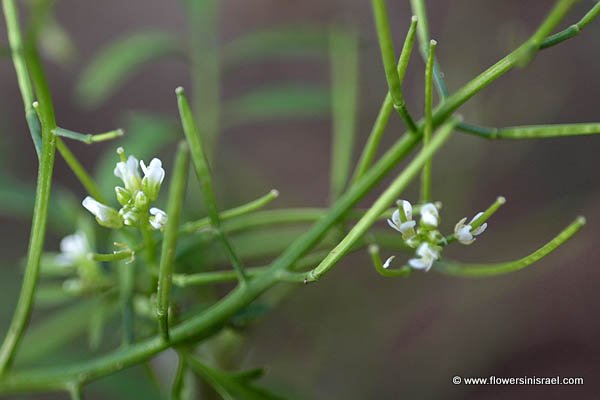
(158, 220)
(141, 201)
(153, 178)
(105, 215)
(123, 195)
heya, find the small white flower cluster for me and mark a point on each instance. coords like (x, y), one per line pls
(135, 197)
(426, 238)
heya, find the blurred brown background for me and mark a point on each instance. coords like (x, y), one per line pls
(355, 335)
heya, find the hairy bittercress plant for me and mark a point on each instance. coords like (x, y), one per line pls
(140, 288)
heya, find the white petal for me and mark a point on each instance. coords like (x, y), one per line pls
(91, 205)
(407, 209)
(479, 214)
(387, 262)
(128, 172)
(419, 263)
(393, 225)
(459, 225)
(396, 217)
(464, 235)
(404, 227)
(480, 230)
(429, 214)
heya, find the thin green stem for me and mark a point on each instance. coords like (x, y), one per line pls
(533, 131)
(491, 210)
(209, 278)
(388, 273)
(343, 52)
(383, 202)
(88, 138)
(203, 223)
(178, 385)
(420, 11)
(204, 177)
(126, 275)
(370, 150)
(169, 245)
(572, 30)
(428, 130)
(42, 198)
(488, 270)
(16, 48)
(388, 55)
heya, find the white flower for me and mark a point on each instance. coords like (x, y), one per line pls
(397, 221)
(429, 215)
(105, 215)
(465, 232)
(73, 247)
(428, 254)
(128, 172)
(153, 177)
(158, 219)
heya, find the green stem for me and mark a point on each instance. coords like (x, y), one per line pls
(428, 130)
(368, 154)
(178, 385)
(204, 177)
(203, 223)
(487, 270)
(387, 273)
(16, 48)
(420, 11)
(533, 131)
(42, 198)
(88, 138)
(491, 210)
(169, 245)
(386, 45)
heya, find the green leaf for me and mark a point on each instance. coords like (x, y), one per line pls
(117, 61)
(232, 386)
(278, 103)
(145, 135)
(297, 41)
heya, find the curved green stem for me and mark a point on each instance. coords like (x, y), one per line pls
(488, 270)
